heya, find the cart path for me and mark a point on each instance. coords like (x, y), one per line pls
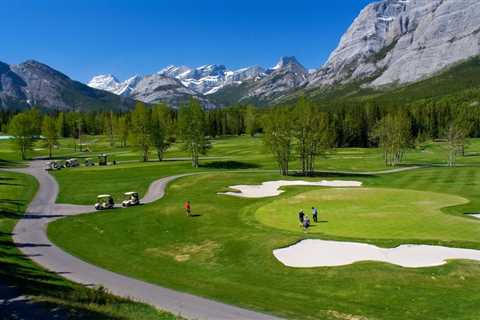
(31, 238)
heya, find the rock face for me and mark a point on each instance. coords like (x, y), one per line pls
(403, 41)
(160, 88)
(35, 84)
(288, 74)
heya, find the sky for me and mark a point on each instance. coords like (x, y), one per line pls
(83, 38)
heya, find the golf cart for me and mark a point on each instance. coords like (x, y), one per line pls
(131, 199)
(53, 165)
(89, 163)
(104, 201)
(103, 159)
(70, 163)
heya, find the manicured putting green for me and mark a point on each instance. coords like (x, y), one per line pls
(374, 213)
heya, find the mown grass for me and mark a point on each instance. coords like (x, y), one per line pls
(54, 296)
(374, 213)
(225, 253)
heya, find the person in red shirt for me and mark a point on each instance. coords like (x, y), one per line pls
(187, 208)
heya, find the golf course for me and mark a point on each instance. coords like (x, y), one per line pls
(224, 251)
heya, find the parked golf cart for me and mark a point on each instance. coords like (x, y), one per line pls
(131, 199)
(104, 201)
(103, 159)
(70, 163)
(53, 165)
(89, 163)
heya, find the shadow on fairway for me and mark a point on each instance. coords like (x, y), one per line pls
(327, 174)
(229, 165)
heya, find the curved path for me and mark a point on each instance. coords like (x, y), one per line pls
(31, 238)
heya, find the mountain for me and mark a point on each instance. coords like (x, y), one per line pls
(32, 83)
(286, 76)
(395, 42)
(391, 44)
(175, 84)
(159, 88)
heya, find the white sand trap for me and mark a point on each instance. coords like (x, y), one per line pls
(475, 215)
(272, 188)
(322, 253)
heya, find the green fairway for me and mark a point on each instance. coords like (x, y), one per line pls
(373, 213)
(225, 252)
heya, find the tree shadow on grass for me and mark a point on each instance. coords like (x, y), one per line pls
(326, 174)
(5, 164)
(229, 165)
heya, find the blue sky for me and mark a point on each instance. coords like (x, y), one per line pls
(83, 38)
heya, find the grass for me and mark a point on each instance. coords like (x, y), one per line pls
(54, 295)
(225, 253)
(374, 213)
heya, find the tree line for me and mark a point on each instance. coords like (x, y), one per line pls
(303, 129)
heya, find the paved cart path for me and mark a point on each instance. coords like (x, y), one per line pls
(31, 238)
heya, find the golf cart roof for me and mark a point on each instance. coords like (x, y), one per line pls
(130, 193)
(104, 196)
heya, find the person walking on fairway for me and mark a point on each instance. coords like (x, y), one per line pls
(315, 214)
(301, 215)
(187, 208)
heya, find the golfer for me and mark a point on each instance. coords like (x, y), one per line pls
(315, 214)
(301, 215)
(187, 208)
(306, 223)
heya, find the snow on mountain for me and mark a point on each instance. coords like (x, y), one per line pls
(210, 78)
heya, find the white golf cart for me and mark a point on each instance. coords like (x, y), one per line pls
(70, 163)
(131, 199)
(104, 201)
(53, 165)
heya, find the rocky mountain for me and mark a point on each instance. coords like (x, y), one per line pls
(210, 78)
(403, 41)
(159, 88)
(391, 43)
(35, 84)
(175, 84)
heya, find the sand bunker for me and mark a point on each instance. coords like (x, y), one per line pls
(475, 215)
(322, 253)
(272, 188)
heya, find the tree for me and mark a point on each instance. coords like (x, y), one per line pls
(278, 137)
(313, 134)
(192, 128)
(22, 128)
(110, 127)
(141, 129)
(159, 129)
(123, 129)
(457, 134)
(251, 125)
(50, 133)
(392, 133)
